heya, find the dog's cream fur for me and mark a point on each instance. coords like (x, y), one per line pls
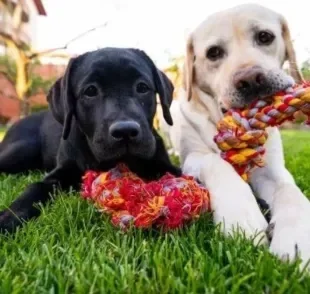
(207, 87)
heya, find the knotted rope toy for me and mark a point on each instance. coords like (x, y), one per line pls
(168, 203)
(242, 132)
(171, 202)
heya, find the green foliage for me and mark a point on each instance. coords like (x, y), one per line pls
(2, 132)
(8, 66)
(305, 69)
(37, 108)
(72, 248)
(38, 84)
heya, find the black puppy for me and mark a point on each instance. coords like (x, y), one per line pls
(104, 108)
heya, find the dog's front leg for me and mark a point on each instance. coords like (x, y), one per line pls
(232, 201)
(25, 206)
(290, 209)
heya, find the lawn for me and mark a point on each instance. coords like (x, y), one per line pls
(73, 249)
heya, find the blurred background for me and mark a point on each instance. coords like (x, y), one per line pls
(37, 38)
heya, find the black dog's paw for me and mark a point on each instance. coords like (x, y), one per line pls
(8, 221)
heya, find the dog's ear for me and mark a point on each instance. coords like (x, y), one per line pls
(290, 54)
(165, 90)
(164, 86)
(188, 70)
(61, 100)
(55, 103)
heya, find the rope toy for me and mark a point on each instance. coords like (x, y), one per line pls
(169, 202)
(242, 132)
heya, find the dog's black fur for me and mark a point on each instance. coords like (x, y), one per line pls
(102, 111)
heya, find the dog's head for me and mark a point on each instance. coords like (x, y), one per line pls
(111, 94)
(237, 56)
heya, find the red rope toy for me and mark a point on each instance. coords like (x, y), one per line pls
(169, 202)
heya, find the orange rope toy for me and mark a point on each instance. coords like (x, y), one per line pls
(242, 132)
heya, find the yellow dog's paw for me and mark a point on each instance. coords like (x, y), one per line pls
(239, 213)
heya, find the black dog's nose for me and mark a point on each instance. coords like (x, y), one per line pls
(125, 130)
(250, 80)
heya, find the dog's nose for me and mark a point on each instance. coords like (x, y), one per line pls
(125, 130)
(249, 80)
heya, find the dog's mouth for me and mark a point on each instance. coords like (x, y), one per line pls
(223, 110)
(265, 94)
(275, 82)
(144, 149)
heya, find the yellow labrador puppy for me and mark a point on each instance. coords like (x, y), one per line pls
(232, 58)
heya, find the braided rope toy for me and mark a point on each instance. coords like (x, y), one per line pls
(242, 132)
(170, 202)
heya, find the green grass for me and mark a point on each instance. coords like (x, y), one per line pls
(73, 249)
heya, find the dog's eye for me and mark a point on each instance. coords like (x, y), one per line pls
(142, 88)
(264, 38)
(91, 91)
(215, 53)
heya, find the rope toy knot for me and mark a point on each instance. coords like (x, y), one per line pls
(242, 132)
